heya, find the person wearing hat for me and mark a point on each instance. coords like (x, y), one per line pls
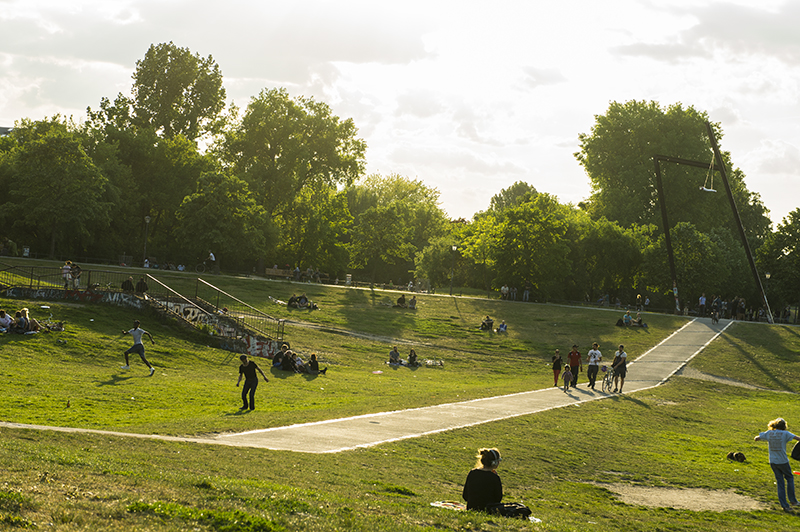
(593, 359)
(483, 487)
(777, 436)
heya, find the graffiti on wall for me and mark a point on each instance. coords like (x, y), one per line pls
(84, 296)
(231, 338)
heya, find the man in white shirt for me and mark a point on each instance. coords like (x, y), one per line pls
(593, 359)
(138, 347)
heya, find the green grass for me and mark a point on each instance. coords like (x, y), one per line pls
(673, 436)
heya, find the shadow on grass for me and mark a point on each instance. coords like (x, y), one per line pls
(764, 369)
(116, 379)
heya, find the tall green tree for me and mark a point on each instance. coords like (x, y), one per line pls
(56, 190)
(379, 236)
(699, 265)
(176, 92)
(780, 256)
(618, 158)
(314, 232)
(511, 196)
(605, 256)
(222, 216)
(530, 245)
(283, 145)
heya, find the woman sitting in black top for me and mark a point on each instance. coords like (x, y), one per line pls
(483, 486)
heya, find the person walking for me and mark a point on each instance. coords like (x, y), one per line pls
(593, 359)
(778, 436)
(557, 363)
(575, 364)
(620, 367)
(138, 346)
(248, 369)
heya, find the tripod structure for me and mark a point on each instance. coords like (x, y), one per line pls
(716, 164)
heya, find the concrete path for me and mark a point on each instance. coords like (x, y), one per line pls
(651, 369)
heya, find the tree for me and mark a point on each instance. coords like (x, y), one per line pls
(780, 256)
(176, 92)
(282, 146)
(618, 157)
(222, 216)
(609, 257)
(514, 195)
(56, 189)
(699, 264)
(530, 245)
(314, 231)
(380, 236)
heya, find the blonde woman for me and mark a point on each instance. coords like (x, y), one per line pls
(483, 487)
(777, 436)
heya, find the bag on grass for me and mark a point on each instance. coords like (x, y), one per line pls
(509, 509)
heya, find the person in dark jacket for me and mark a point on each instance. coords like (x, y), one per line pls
(483, 487)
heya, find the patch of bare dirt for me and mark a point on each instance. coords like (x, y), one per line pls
(684, 499)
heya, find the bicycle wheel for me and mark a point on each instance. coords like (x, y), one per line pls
(608, 382)
(200, 268)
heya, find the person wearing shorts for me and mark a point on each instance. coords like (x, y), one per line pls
(138, 346)
(620, 367)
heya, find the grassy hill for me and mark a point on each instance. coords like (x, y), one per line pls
(674, 436)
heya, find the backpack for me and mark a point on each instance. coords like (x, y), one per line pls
(509, 509)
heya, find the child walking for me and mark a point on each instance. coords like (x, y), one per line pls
(567, 376)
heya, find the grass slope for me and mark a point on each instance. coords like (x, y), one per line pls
(676, 435)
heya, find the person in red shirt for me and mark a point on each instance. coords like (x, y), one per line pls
(575, 364)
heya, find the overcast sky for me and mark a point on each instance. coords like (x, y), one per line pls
(467, 96)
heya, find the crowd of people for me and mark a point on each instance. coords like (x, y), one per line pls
(288, 360)
(20, 323)
(574, 366)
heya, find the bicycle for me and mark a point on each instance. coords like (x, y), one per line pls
(200, 268)
(608, 379)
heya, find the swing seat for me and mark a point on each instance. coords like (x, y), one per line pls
(704, 189)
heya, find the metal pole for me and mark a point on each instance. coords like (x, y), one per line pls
(146, 227)
(452, 268)
(737, 218)
(667, 240)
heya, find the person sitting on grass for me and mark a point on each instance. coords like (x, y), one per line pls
(31, 324)
(483, 487)
(313, 366)
(394, 357)
(412, 303)
(503, 328)
(6, 321)
(412, 359)
(20, 326)
(292, 302)
(627, 319)
(401, 301)
(487, 324)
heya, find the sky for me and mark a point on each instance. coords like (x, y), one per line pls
(467, 96)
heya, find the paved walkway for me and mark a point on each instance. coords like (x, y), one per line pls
(651, 369)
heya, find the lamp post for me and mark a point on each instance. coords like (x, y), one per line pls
(452, 268)
(767, 276)
(146, 227)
